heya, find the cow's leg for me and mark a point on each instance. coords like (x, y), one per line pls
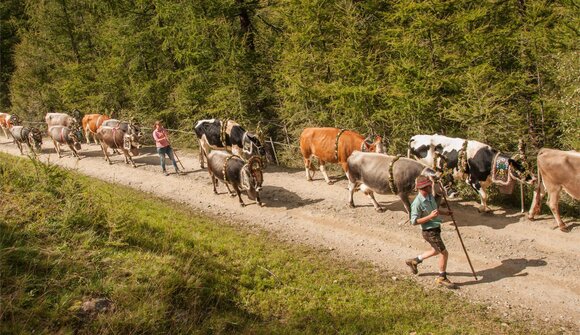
(406, 203)
(87, 132)
(214, 182)
(74, 151)
(5, 133)
(128, 158)
(232, 193)
(483, 208)
(20, 147)
(237, 189)
(105, 148)
(553, 199)
(536, 206)
(57, 148)
(366, 190)
(307, 163)
(323, 170)
(351, 190)
(204, 149)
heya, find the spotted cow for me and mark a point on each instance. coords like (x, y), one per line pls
(468, 160)
(230, 136)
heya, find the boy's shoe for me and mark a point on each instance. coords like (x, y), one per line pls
(443, 281)
(412, 263)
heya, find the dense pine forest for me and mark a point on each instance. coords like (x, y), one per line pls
(490, 70)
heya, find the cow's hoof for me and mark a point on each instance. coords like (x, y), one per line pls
(261, 204)
(232, 195)
(351, 205)
(330, 182)
(380, 210)
(243, 205)
(482, 209)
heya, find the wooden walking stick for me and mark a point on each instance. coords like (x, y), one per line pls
(457, 230)
(179, 160)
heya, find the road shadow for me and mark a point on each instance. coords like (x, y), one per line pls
(508, 268)
(278, 197)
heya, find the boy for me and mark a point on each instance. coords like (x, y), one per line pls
(425, 212)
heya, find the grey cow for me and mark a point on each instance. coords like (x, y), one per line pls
(232, 170)
(32, 137)
(371, 173)
(65, 135)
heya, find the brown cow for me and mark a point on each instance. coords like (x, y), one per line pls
(557, 170)
(125, 136)
(91, 123)
(6, 122)
(333, 145)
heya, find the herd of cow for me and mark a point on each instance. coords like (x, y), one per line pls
(235, 157)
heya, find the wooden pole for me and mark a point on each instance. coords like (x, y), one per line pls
(457, 230)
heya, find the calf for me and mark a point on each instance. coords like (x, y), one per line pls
(125, 136)
(65, 135)
(91, 123)
(467, 160)
(557, 170)
(333, 145)
(234, 171)
(32, 137)
(383, 174)
(6, 122)
(229, 136)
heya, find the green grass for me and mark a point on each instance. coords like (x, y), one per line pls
(65, 238)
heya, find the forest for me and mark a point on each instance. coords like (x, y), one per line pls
(490, 70)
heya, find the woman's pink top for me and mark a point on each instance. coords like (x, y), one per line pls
(160, 137)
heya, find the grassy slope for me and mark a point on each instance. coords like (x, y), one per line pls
(65, 238)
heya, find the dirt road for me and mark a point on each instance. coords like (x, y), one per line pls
(527, 270)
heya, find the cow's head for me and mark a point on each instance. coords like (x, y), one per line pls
(252, 146)
(521, 172)
(35, 138)
(252, 177)
(75, 138)
(374, 143)
(135, 135)
(12, 120)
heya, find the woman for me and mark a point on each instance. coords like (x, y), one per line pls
(163, 147)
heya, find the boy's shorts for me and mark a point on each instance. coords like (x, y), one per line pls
(433, 236)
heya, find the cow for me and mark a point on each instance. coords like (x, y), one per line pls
(233, 170)
(230, 136)
(383, 174)
(333, 145)
(6, 122)
(557, 170)
(123, 135)
(32, 137)
(468, 160)
(60, 119)
(65, 135)
(91, 123)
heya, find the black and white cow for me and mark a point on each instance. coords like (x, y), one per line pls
(468, 160)
(230, 136)
(371, 173)
(32, 137)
